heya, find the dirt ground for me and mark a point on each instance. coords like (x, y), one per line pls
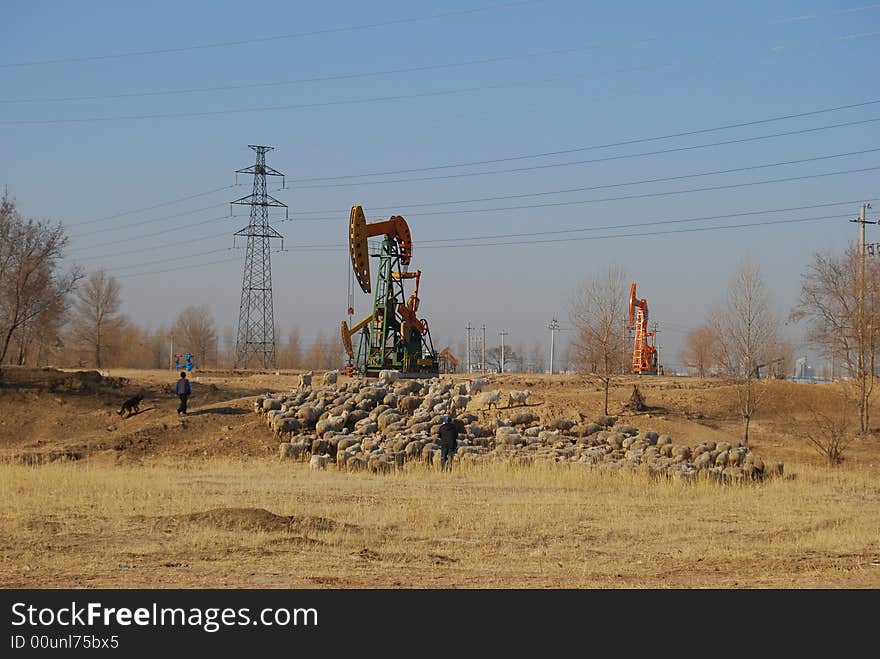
(235, 507)
(47, 414)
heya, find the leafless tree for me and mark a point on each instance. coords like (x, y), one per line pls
(196, 331)
(291, 355)
(537, 358)
(227, 360)
(96, 320)
(598, 313)
(159, 346)
(843, 322)
(31, 284)
(747, 331)
(493, 358)
(701, 349)
(316, 355)
(831, 433)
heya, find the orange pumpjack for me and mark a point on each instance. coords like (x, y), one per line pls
(644, 352)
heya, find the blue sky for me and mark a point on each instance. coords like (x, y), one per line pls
(344, 88)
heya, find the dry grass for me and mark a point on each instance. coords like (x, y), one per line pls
(95, 525)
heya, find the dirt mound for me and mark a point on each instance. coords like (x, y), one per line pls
(54, 381)
(259, 519)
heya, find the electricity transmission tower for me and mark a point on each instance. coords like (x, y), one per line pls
(256, 321)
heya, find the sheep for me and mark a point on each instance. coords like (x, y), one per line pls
(331, 424)
(288, 450)
(488, 398)
(271, 404)
(305, 381)
(318, 461)
(518, 397)
(409, 404)
(282, 425)
(458, 403)
(330, 377)
(388, 376)
(475, 386)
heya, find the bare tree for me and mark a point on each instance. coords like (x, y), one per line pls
(700, 351)
(31, 284)
(748, 331)
(316, 355)
(843, 322)
(291, 355)
(831, 433)
(520, 362)
(228, 353)
(493, 358)
(195, 329)
(597, 314)
(537, 358)
(96, 321)
(158, 347)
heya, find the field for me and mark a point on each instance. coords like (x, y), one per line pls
(96, 501)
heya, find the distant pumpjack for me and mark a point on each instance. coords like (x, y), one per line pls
(644, 352)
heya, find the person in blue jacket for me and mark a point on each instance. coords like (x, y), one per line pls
(183, 390)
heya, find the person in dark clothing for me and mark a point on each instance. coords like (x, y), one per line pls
(183, 390)
(448, 434)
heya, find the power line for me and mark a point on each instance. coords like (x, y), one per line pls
(149, 208)
(632, 196)
(468, 243)
(435, 242)
(593, 160)
(138, 250)
(496, 160)
(171, 258)
(640, 234)
(593, 147)
(397, 97)
(702, 218)
(295, 35)
(664, 179)
(432, 67)
(182, 267)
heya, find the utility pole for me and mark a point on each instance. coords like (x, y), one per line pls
(860, 314)
(171, 353)
(256, 322)
(483, 352)
(469, 328)
(553, 327)
(503, 334)
(656, 331)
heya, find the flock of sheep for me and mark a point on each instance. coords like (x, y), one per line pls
(384, 424)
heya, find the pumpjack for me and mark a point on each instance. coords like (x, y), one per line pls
(392, 335)
(644, 359)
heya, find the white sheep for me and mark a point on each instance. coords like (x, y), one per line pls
(288, 450)
(488, 398)
(476, 385)
(318, 461)
(330, 377)
(459, 403)
(305, 381)
(518, 397)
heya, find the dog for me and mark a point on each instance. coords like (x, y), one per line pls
(131, 406)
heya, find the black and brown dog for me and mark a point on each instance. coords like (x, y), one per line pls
(131, 406)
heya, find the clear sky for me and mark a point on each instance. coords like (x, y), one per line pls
(110, 108)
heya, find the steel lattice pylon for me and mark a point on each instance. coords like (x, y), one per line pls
(256, 321)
